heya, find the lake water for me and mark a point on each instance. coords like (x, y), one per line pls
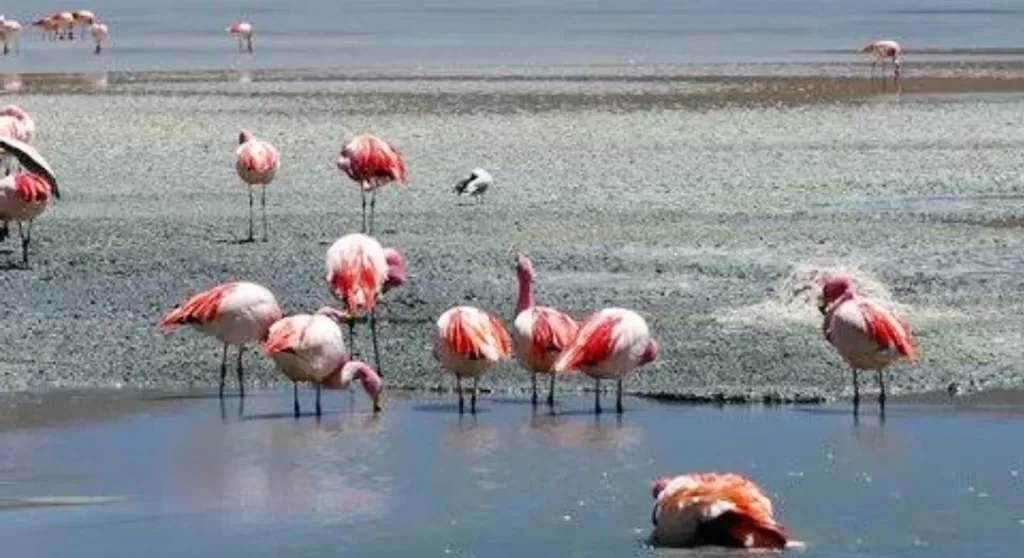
(189, 34)
(419, 480)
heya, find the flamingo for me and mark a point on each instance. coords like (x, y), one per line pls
(99, 34)
(9, 31)
(234, 313)
(25, 195)
(882, 50)
(244, 31)
(65, 25)
(866, 335)
(257, 162)
(715, 509)
(50, 26)
(539, 333)
(311, 348)
(359, 271)
(610, 344)
(467, 342)
(475, 185)
(83, 18)
(373, 163)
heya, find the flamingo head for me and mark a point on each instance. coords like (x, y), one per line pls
(658, 485)
(650, 353)
(524, 267)
(244, 136)
(835, 287)
(358, 370)
(396, 269)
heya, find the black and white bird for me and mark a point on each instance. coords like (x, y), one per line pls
(475, 185)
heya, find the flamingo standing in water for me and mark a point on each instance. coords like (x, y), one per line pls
(867, 335)
(256, 161)
(98, 31)
(234, 313)
(539, 333)
(610, 344)
(715, 509)
(373, 163)
(84, 19)
(25, 195)
(244, 31)
(882, 50)
(311, 348)
(467, 341)
(50, 26)
(359, 271)
(9, 31)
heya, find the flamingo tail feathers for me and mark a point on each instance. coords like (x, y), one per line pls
(889, 331)
(593, 344)
(736, 529)
(201, 308)
(469, 339)
(356, 283)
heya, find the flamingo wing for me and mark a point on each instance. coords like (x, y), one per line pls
(594, 343)
(31, 160)
(354, 280)
(200, 309)
(553, 331)
(284, 337)
(887, 330)
(31, 187)
(473, 338)
(258, 156)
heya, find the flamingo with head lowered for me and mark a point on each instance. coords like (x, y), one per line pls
(372, 163)
(467, 341)
(882, 50)
(244, 31)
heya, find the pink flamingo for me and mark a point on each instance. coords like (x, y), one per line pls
(883, 50)
(17, 123)
(867, 336)
(65, 25)
(715, 509)
(467, 342)
(257, 162)
(234, 313)
(373, 163)
(244, 31)
(610, 344)
(50, 26)
(359, 271)
(25, 195)
(539, 333)
(310, 348)
(99, 35)
(84, 19)
(9, 31)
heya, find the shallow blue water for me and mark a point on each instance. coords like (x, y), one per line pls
(421, 481)
(189, 34)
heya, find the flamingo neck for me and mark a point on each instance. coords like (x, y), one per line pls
(525, 300)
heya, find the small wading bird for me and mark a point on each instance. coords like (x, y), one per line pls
(467, 341)
(359, 272)
(475, 185)
(866, 335)
(25, 195)
(715, 509)
(244, 31)
(372, 163)
(539, 333)
(9, 31)
(881, 51)
(310, 348)
(233, 313)
(610, 344)
(257, 162)
(99, 34)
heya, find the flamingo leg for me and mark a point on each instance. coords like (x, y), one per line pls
(4, 231)
(597, 397)
(362, 190)
(263, 208)
(472, 400)
(295, 397)
(618, 398)
(881, 393)
(26, 239)
(551, 392)
(376, 346)
(223, 369)
(458, 387)
(238, 370)
(318, 411)
(351, 337)
(856, 391)
(373, 204)
(248, 42)
(251, 237)
(533, 377)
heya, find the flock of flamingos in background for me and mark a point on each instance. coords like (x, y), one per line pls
(705, 508)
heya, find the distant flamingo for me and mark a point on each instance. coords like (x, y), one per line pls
(50, 26)
(883, 50)
(9, 31)
(539, 333)
(373, 163)
(867, 336)
(311, 348)
(17, 123)
(244, 31)
(714, 509)
(257, 162)
(467, 342)
(24, 195)
(475, 185)
(234, 313)
(84, 19)
(65, 25)
(99, 34)
(610, 344)
(359, 271)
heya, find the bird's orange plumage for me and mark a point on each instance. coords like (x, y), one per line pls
(468, 339)
(553, 331)
(594, 343)
(282, 338)
(355, 282)
(201, 308)
(31, 187)
(888, 331)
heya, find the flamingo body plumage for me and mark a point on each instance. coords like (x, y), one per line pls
(467, 342)
(372, 163)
